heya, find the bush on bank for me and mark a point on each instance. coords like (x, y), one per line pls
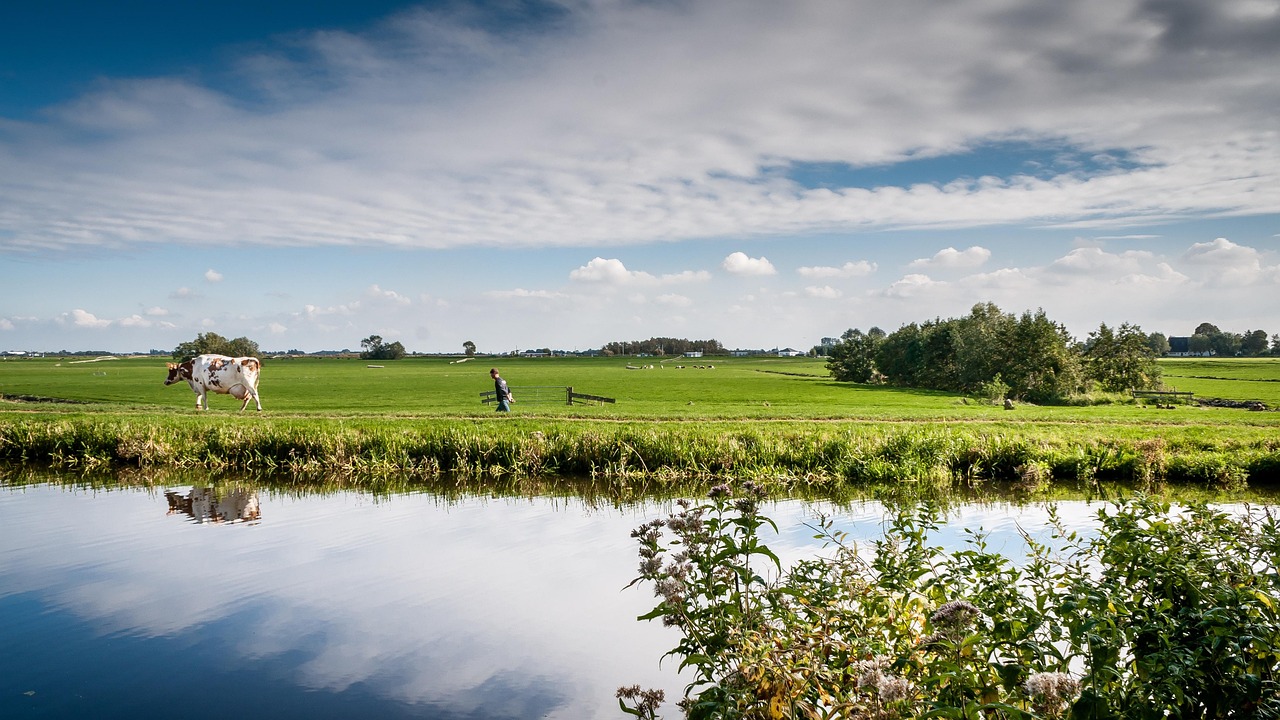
(780, 453)
(1162, 615)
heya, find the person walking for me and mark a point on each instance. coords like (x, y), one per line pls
(503, 392)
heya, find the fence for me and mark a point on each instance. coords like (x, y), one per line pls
(546, 394)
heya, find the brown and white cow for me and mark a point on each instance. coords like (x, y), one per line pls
(237, 377)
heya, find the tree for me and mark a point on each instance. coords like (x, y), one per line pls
(215, 344)
(1275, 344)
(1225, 344)
(1158, 343)
(1206, 329)
(1199, 344)
(1121, 360)
(470, 348)
(853, 358)
(1254, 342)
(376, 349)
(1040, 364)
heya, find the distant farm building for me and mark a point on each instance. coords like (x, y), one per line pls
(1181, 347)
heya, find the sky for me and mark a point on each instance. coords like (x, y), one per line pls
(562, 174)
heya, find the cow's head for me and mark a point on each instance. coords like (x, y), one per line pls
(178, 372)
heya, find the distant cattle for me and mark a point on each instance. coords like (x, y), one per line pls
(237, 377)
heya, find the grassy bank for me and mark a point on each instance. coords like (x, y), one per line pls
(780, 453)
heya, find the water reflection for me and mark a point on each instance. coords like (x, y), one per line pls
(352, 605)
(207, 504)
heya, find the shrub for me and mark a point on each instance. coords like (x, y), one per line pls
(1163, 614)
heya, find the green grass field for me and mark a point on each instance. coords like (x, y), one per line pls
(713, 388)
(1230, 378)
(781, 419)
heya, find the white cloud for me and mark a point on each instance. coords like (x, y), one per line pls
(826, 292)
(1093, 260)
(1221, 253)
(183, 293)
(6, 324)
(377, 294)
(85, 319)
(134, 320)
(912, 285)
(613, 272)
(1223, 262)
(950, 258)
(574, 134)
(212, 275)
(860, 268)
(276, 328)
(610, 271)
(739, 263)
(157, 311)
(673, 300)
(521, 293)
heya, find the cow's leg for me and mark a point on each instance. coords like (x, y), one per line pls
(202, 400)
(246, 393)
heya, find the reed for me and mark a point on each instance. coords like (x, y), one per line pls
(777, 453)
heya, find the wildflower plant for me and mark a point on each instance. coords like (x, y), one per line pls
(1160, 615)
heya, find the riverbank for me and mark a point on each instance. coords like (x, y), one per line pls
(782, 454)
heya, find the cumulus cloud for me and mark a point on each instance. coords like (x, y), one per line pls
(860, 268)
(1092, 260)
(377, 294)
(673, 300)
(950, 258)
(912, 285)
(739, 263)
(521, 294)
(826, 292)
(1224, 262)
(85, 319)
(600, 270)
(6, 324)
(613, 272)
(157, 311)
(183, 293)
(212, 275)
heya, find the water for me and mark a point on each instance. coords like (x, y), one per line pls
(144, 603)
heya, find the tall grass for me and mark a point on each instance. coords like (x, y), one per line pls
(781, 454)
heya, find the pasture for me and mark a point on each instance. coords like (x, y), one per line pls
(778, 419)
(674, 389)
(1230, 378)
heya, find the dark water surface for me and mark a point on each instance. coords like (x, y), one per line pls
(134, 603)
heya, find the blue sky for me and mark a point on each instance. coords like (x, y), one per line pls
(564, 174)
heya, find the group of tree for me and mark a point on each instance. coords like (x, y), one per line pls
(376, 349)
(1207, 338)
(663, 346)
(214, 344)
(1027, 357)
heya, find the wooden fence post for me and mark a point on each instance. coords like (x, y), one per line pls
(569, 392)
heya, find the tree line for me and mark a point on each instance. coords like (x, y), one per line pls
(663, 346)
(997, 354)
(1207, 338)
(214, 344)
